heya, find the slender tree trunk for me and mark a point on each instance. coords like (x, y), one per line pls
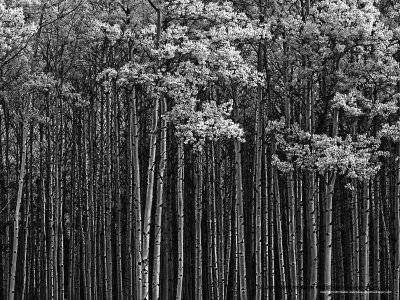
(11, 293)
(7, 198)
(396, 284)
(234, 240)
(278, 217)
(108, 203)
(214, 223)
(375, 199)
(328, 219)
(300, 232)
(311, 230)
(181, 161)
(292, 236)
(355, 237)
(61, 200)
(290, 188)
(27, 210)
(364, 265)
(129, 230)
(137, 202)
(220, 222)
(90, 207)
(211, 280)
(241, 247)
(231, 238)
(117, 179)
(44, 277)
(160, 204)
(72, 257)
(198, 236)
(149, 201)
(312, 237)
(269, 221)
(150, 181)
(257, 185)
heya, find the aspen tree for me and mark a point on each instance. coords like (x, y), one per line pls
(11, 294)
(160, 203)
(181, 160)
(198, 198)
(290, 187)
(220, 210)
(375, 199)
(240, 207)
(331, 178)
(396, 277)
(258, 182)
(117, 179)
(108, 201)
(278, 216)
(130, 269)
(26, 111)
(137, 200)
(150, 176)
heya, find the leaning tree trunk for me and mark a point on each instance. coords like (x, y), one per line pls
(12, 279)
(150, 183)
(11, 293)
(149, 202)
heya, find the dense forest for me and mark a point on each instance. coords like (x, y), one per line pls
(199, 149)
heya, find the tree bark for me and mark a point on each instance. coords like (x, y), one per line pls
(181, 161)
(11, 293)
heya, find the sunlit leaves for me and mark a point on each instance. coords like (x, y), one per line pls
(39, 82)
(14, 32)
(391, 132)
(348, 103)
(211, 122)
(191, 55)
(354, 157)
(102, 29)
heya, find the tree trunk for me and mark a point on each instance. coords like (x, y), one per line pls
(117, 178)
(137, 202)
(181, 161)
(396, 287)
(108, 203)
(240, 208)
(149, 202)
(11, 293)
(257, 183)
(198, 216)
(331, 178)
(150, 182)
(364, 265)
(278, 218)
(160, 203)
